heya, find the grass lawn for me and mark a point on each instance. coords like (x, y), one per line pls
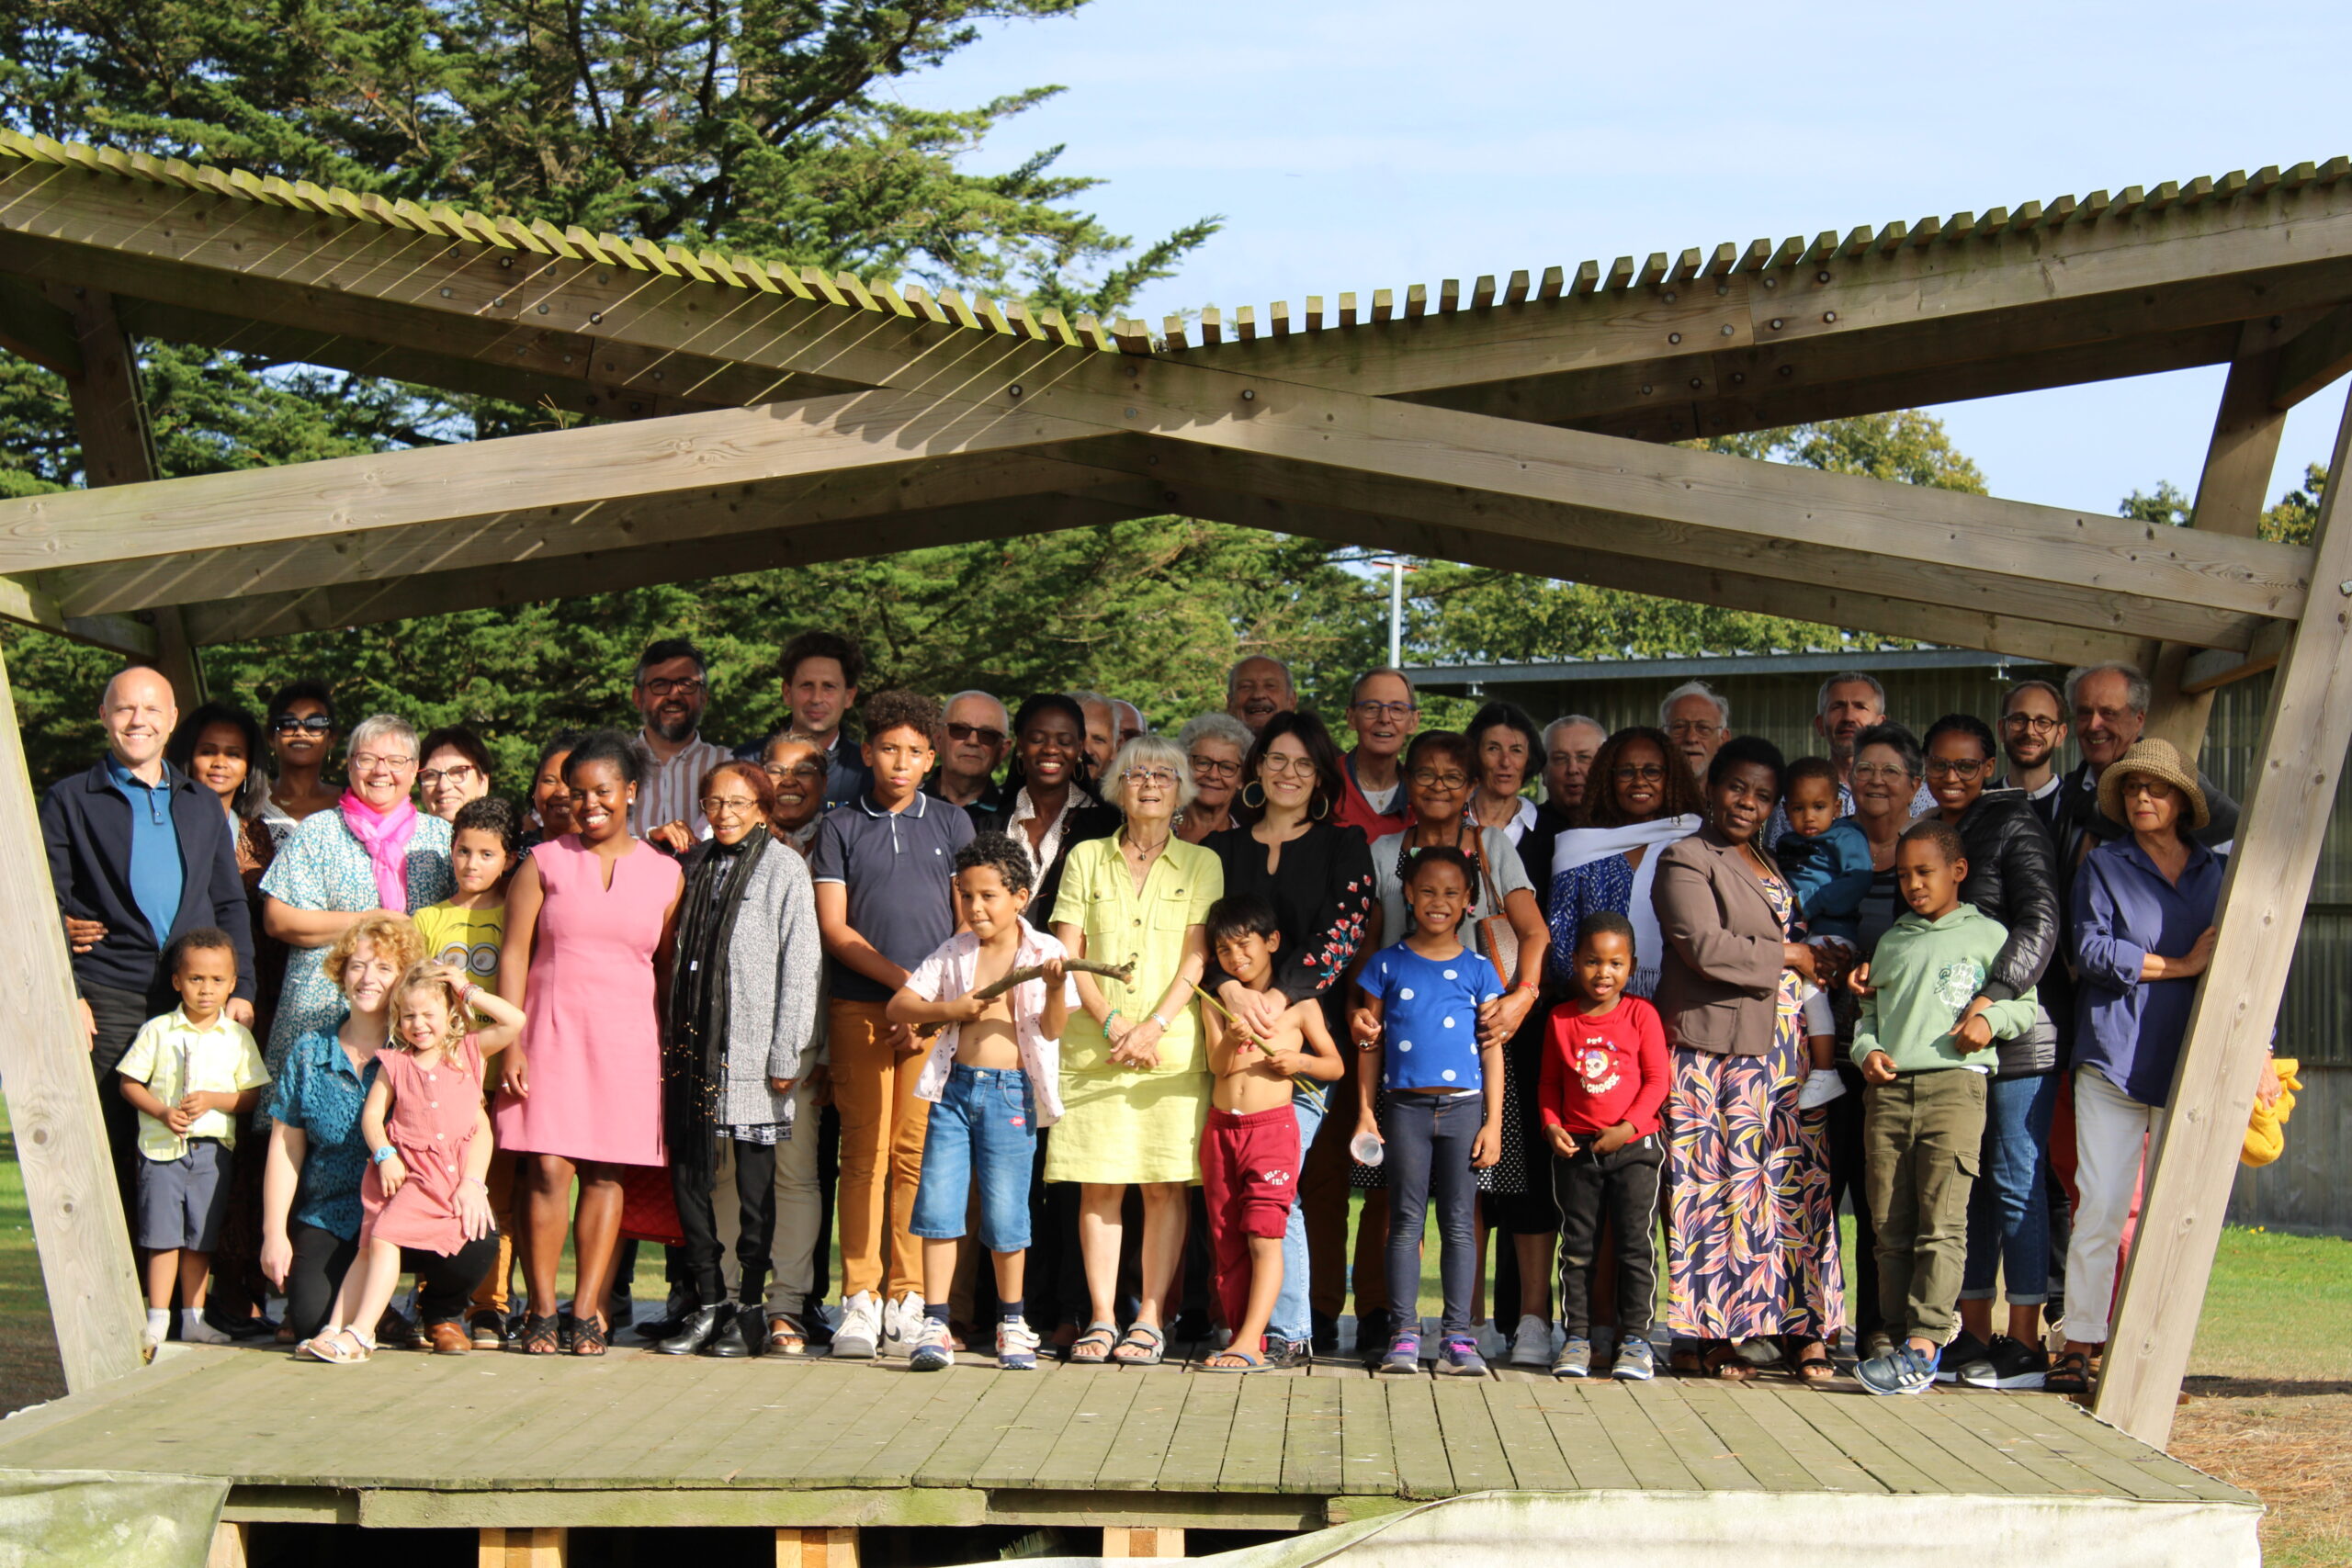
(2271, 1376)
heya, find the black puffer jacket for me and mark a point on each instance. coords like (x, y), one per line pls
(2013, 878)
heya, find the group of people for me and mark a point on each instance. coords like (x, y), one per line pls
(1082, 1032)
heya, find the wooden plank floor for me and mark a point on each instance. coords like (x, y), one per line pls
(1113, 1441)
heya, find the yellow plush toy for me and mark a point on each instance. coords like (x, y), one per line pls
(2265, 1131)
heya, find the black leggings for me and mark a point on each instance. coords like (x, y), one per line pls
(445, 1284)
(704, 1256)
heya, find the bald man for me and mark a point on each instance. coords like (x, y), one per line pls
(1259, 688)
(140, 848)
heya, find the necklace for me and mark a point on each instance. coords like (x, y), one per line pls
(1145, 850)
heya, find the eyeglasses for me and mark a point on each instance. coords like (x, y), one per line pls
(1867, 772)
(2039, 724)
(986, 734)
(1159, 776)
(458, 777)
(368, 762)
(1214, 768)
(1388, 710)
(811, 769)
(1284, 767)
(1956, 767)
(1639, 773)
(692, 686)
(1429, 778)
(315, 724)
(729, 806)
(1691, 728)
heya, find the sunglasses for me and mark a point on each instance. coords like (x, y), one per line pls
(986, 734)
(316, 724)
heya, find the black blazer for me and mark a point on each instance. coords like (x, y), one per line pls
(1096, 821)
(86, 827)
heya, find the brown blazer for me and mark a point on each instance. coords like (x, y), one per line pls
(1719, 977)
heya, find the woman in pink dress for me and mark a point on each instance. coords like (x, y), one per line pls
(589, 923)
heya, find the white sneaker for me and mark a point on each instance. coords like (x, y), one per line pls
(902, 1323)
(861, 1327)
(1821, 1086)
(1532, 1345)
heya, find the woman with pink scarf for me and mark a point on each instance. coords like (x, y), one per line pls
(374, 850)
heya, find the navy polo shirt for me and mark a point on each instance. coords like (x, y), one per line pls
(157, 877)
(898, 867)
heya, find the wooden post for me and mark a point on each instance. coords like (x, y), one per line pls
(84, 1246)
(1141, 1540)
(540, 1547)
(2191, 1167)
(816, 1547)
(231, 1544)
(2230, 494)
(118, 448)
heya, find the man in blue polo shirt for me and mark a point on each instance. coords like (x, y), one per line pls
(883, 865)
(137, 846)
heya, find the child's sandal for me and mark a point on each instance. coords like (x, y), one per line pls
(341, 1348)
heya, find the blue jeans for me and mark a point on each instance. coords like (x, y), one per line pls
(1292, 1320)
(1428, 1141)
(2008, 1220)
(984, 1127)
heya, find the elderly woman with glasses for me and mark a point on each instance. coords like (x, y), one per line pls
(1135, 1077)
(1213, 745)
(374, 850)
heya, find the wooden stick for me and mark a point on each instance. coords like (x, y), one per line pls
(1122, 973)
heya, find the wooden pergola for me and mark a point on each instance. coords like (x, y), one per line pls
(748, 415)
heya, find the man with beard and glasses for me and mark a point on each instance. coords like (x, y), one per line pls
(1697, 718)
(978, 733)
(670, 691)
(1257, 689)
(2033, 731)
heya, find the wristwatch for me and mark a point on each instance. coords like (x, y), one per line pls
(1164, 1024)
(384, 1154)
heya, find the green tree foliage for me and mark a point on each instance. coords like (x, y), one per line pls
(2291, 521)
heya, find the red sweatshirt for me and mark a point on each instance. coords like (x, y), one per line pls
(1600, 1071)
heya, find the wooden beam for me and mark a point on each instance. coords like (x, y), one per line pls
(1122, 1541)
(231, 1546)
(31, 328)
(2231, 491)
(2316, 357)
(535, 1547)
(95, 1303)
(803, 1547)
(118, 447)
(777, 543)
(1831, 604)
(22, 602)
(2195, 1157)
(2212, 668)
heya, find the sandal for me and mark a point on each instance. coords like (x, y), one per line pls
(786, 1337)
(1812, 1370)
(1146, 1342)
(1686, 1359)
(2070, 1373)
(1724, 1363)
(344, 1348)
(540, 1336)
(1093, 1347)
(1237, 1360)
(590, 1335)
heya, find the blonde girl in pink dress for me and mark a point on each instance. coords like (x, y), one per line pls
(431, 1141)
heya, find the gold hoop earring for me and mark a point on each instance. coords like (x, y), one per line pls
(1258, 804)
(1323, 804)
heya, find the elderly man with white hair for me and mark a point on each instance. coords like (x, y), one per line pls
(978, 733)
(1697, 718)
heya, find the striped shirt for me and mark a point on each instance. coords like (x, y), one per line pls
(671, 791)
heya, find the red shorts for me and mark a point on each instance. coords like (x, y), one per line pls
(1250, 1170)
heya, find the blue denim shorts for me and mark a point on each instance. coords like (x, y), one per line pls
(984, 1127)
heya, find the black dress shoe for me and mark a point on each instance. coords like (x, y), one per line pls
(696, 1331)
(741, 1334)
(674, 1313)
(241, 1327)
(1326, 1334)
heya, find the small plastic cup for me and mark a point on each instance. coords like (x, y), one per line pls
(1365, 1148)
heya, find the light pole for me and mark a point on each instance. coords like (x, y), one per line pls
(1397, 567)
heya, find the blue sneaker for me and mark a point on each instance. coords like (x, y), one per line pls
(1636, 1362)
(1905, 1370)
(932, 1351)
(1404, 1358)
(1459, 1358)
(1574, 1359)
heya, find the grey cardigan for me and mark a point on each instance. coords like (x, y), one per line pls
(775, 965)
(1719, 981)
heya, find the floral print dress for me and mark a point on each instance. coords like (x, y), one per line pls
(1751, 1228)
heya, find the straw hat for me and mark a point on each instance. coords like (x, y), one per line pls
(2156, 760)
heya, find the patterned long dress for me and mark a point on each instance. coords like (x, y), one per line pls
(1751, 1231)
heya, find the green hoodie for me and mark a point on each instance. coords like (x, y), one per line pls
(1922, 975)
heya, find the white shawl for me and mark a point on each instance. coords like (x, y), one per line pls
(1581, 846)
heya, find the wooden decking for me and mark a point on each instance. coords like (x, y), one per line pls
(493, 1440)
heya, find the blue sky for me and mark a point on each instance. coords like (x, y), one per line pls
(1373, 145)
